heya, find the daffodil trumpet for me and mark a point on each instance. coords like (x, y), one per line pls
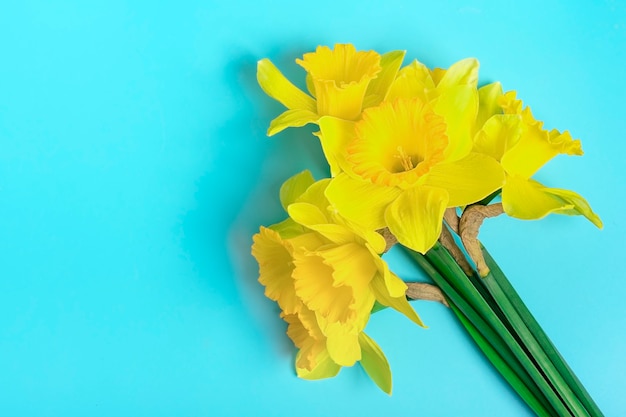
(419, 158)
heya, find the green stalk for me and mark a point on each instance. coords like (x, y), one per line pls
(538, 333)
(446, 265)
(538, 354)
(535, 402)
(468, 307)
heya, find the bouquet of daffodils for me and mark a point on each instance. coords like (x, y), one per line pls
(418, 158)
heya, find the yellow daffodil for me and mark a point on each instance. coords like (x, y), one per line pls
(326, 267)
(406, 161)
(341, 82)
(512, 136)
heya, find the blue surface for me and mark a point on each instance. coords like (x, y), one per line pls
(134, 168)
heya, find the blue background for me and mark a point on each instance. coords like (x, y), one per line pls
(134, 169)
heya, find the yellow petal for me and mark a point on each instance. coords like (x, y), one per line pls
(499, 134)
(308, 241)
(580, 205)
(335, 135)
(311, 217)
(294, 187)
(527, 199)
(415, 217)
(464, 72)
(437, 74)
(360, 201)
(398, 303)
(468, 180)
(335, 233)
(306, 214)
(309, 84)
(536, 147)
(324, 368)
(311, 210)
(275, 85)
(488, 103)
(315, 194)
(395, 287)
(291, 118)
(342, 344)
(375, 240)
(379, 87)
(413, 81)
(458, 105)
(275, 269)
(374, 363)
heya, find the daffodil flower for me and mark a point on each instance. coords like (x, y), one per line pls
(512, 136)
(327, 267)
(405, 162)
(340, 81)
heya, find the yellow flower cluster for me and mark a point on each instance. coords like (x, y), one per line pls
(403, 145)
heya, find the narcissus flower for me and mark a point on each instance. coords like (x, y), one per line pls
(322, 267)
(403, 165)
(341, 82)
(512, 136)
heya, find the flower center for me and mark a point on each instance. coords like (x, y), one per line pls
(406, 161)
(397, 143)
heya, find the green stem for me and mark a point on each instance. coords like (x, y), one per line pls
(534, 400)
(535, 350)
(541, 337)
(446, 265)
(468, 308)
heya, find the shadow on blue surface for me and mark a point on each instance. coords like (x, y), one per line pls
(233, 201)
